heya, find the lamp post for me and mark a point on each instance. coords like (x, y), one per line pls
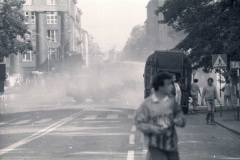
(63, 51)
(46, 39)
(48, 46)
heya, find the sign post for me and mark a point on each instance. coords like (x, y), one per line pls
(236, 65)
(219, 61)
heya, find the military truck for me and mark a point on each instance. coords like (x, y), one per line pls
(175, 62)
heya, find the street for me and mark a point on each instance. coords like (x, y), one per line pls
(74, 72)
(103, 132)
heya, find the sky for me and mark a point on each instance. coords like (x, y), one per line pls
(110, 21)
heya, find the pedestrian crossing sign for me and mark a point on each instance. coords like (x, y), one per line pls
(219, 61)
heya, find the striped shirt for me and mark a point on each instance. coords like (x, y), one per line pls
(158, 113)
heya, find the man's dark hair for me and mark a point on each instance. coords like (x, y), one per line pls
(227, 81)
(158, 80)
(195, 80)
(210, 79)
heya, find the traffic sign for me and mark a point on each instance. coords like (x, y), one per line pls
(219, 61)
(235, 64)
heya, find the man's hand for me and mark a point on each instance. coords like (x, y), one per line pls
(179, 122)
(158, 130)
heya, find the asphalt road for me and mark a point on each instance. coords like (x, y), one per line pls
(102, 132)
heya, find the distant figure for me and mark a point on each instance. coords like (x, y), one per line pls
(194, 94)
(157, 117)
(227, 95)
(177, 90)
(210, 94)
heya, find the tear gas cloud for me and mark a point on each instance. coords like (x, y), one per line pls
(118, 82)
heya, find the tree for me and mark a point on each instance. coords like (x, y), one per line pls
(135, 47)
(13, 29)
(212, 27)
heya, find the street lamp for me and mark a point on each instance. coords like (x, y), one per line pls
(47, 41)
(48, 46)
(62, 47)
(63, 51)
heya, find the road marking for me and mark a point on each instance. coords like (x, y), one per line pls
(130, 155)
(132, 139)
(133, 128)
(44, 120)
(91, 117)
(26, 116)
(130, 116)
(11, 97)
(21, 122)
(2, 123)
(114, 116)
(42, 132)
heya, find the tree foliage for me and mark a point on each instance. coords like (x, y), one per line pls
(13, 29)
(212, 27)
(139, 46)
(135, 43)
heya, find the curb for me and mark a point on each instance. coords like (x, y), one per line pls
(229, 129)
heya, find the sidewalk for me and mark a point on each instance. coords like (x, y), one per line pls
(228, 120)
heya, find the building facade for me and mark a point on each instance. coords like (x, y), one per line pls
(162, 36)
(152, 28)
(55, 32)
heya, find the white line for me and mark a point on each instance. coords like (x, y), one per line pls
(133, 129)
(114, 116)
(44, 120)
(130, 155)
(91, 117)
(21, 122)
(7, 121)
(132, 139)
(41, 132)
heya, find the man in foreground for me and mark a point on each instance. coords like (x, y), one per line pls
(157, 117)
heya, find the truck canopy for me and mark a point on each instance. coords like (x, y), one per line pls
(166, 61)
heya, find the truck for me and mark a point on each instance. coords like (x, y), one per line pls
(175, 62)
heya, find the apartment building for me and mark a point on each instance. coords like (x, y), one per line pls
(162, 36)
(55, 32)
(152, 27)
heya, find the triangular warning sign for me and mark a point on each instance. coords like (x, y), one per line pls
(219, 62)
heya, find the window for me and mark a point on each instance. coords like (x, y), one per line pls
(29, 15)
(52, 35)
(33, 17)
(51, 2)
(28, 57)
(52, 17)
(28, 2)
(53, 54)
(26, 17)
